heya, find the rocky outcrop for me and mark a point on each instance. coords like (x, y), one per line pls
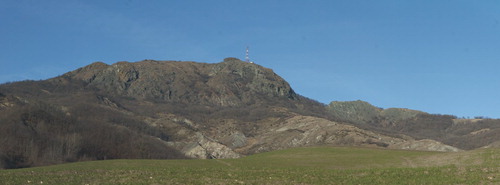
(301, 131)
(189, 140)
(295, 131)
(208, 149)
(424, 145)
(229, 83)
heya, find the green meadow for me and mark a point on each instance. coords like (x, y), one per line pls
(310, 165)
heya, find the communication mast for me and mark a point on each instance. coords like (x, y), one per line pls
(247, 58)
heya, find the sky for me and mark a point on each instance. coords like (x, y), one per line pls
(441, 57)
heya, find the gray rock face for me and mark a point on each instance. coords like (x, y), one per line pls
(235, 140)
(205, 148)
(229, 83)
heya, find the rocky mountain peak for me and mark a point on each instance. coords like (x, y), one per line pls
(228, 83)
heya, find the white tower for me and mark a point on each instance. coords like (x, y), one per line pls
(247, 58)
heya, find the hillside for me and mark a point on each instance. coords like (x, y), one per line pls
(170, 109)
(311, 165)
(462, 133)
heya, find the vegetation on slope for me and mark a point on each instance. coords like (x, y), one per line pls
(38, 134)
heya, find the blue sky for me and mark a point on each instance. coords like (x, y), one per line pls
(435, 56)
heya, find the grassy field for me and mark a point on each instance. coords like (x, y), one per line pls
(312, 165)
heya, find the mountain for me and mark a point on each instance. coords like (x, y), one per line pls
(173, 109)
(147, 109)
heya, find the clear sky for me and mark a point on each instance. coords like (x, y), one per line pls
(435, 56)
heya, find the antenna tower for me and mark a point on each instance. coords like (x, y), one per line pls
(247, 58)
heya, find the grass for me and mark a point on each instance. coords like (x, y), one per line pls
(311, 165)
